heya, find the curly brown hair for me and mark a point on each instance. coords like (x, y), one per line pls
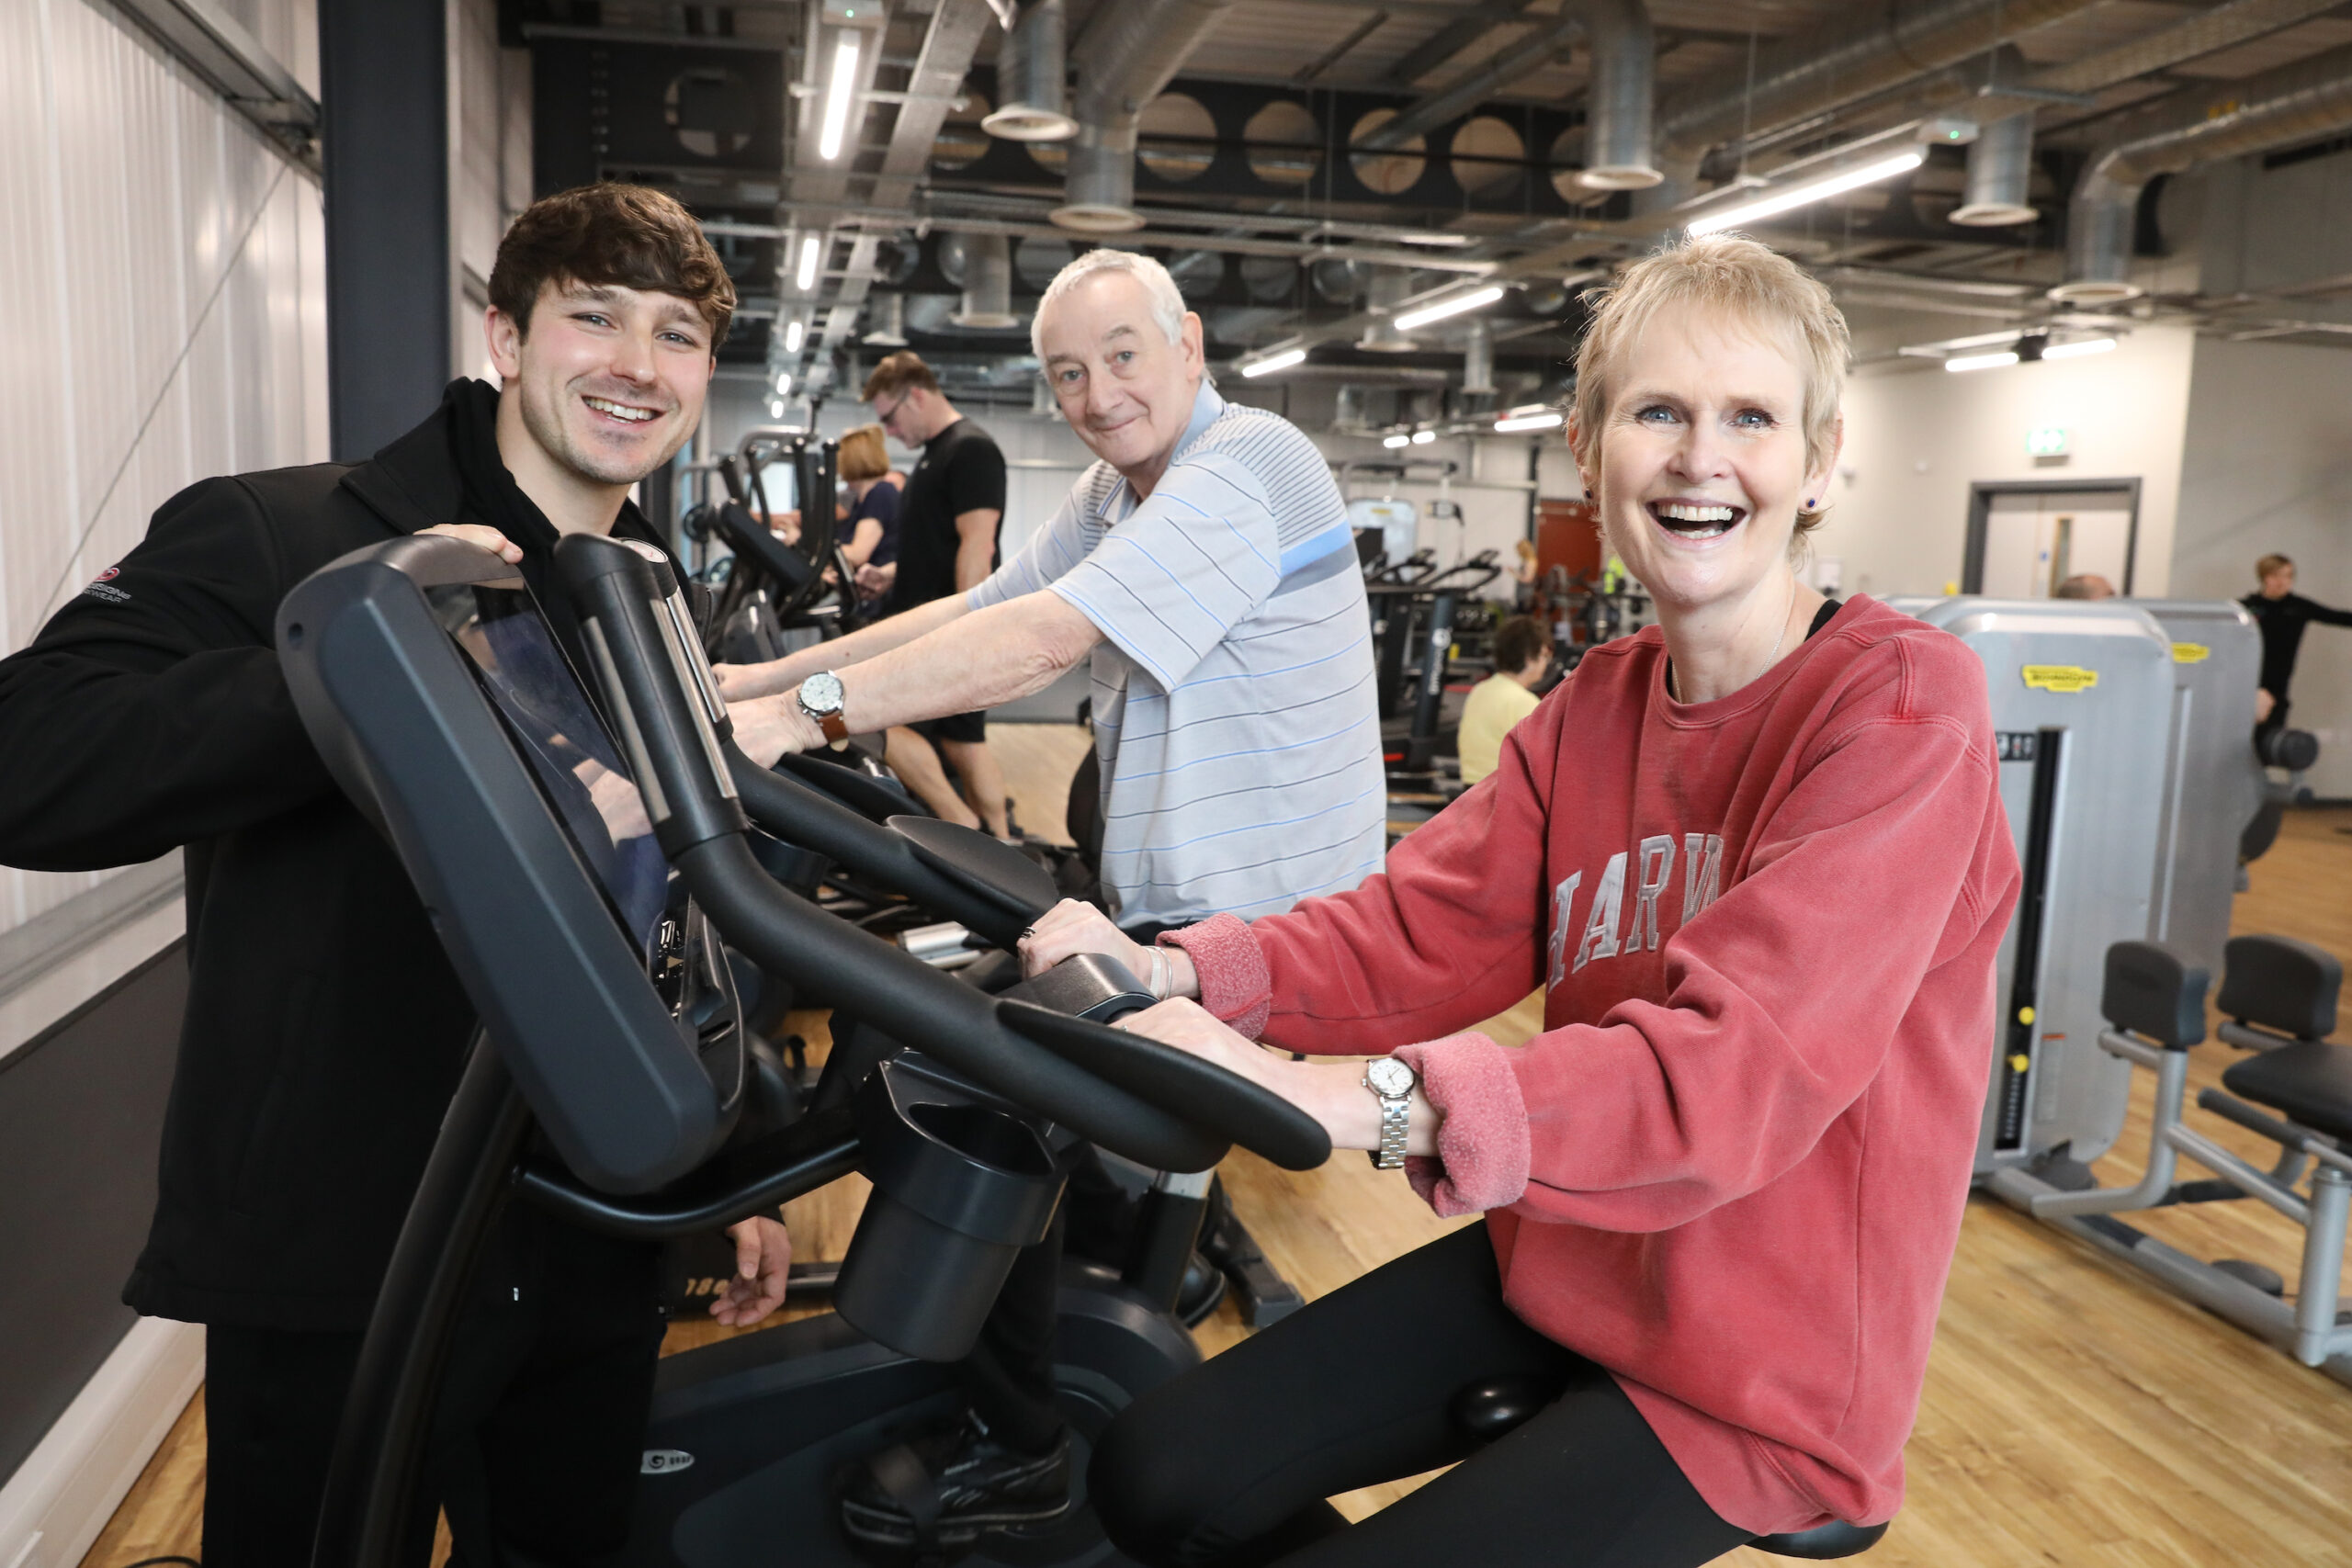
(611, 233)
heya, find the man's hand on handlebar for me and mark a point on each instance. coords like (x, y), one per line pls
(762, 1268)
(766, 728)
(873, 581)
(1071, 927)
(488, 539)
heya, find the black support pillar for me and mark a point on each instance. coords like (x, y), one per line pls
(383, 69)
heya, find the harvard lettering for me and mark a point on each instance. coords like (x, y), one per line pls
(1604, 935)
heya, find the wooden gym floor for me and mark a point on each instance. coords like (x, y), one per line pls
(2074, 1413)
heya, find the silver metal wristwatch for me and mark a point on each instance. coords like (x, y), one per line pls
(1391, 1081)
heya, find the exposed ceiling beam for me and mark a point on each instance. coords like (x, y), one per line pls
(1464, 31)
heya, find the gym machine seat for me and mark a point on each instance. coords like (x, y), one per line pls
(2280, 995)
(2278, 1000)
(1491, 1409)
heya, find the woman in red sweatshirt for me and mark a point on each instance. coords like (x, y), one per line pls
(1755, 858)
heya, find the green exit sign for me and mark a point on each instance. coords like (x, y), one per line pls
(2046, 441)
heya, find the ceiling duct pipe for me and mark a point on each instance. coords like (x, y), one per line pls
(1836, 63)
(887, 320)
(1618, 109)
(2000, 175)
(1478, 359)
(1128, 55)
(1389, 289)
(1031, 78)
(988, 283)
(1617, 152)
(2303, 102)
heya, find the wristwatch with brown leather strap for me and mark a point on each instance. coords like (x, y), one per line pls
(820, 697)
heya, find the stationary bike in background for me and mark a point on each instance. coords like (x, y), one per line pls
(775, 597)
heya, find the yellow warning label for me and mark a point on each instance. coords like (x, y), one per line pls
(2190, 653)
(2060, 677)
(2019, 1062)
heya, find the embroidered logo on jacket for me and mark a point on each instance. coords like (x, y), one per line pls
(1607, 931)
(102, 586)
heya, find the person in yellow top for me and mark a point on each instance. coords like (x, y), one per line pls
(1523, 657)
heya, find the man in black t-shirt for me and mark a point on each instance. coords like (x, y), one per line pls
(2282, 613)
(948, 518)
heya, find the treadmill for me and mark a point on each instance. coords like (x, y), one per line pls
(584, 852)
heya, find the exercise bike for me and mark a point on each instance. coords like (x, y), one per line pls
(438, 693)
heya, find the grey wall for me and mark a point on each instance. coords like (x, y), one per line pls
(81, 1115)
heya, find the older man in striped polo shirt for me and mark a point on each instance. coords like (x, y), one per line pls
(1205, 564)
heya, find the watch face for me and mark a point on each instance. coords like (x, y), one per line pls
(1389, 1078)
(821, 693)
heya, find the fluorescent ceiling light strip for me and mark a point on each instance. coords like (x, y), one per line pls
(1980, 361)
(2078, 350)
(783, 383)
(1393, 442)
(793, 331)
(837, 97)
(1275, 362)
(1812, 190)
(1423, 437)
(806, 278)
(1444, 307)
(1513, 424)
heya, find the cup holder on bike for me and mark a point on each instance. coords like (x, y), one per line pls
(961, 1183)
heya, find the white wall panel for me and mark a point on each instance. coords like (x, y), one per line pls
(1916, 441)
(2268, 465)
(175, 269)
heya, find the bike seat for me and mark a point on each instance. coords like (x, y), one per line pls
(1836, 1539)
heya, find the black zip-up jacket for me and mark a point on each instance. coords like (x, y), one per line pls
(324, 1029)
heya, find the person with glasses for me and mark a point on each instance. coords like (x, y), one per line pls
(945, 540)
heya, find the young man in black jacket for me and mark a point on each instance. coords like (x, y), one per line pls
(326, 1028)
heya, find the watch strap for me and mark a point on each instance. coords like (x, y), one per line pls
(1395, 1125)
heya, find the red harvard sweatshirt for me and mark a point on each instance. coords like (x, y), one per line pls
(1732, 1168)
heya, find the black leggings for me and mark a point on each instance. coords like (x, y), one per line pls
(1230, 1464)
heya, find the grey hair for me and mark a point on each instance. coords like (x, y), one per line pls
(1168, 306)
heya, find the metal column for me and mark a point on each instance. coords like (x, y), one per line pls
(383, 78)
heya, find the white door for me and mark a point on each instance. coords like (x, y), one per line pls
(2036, 540)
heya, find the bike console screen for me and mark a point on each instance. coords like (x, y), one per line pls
(580, 770)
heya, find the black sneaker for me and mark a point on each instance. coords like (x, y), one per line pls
(945, 1489)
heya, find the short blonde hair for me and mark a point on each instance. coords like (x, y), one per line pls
(1741, 278)
(862, 456)
(2270, 564)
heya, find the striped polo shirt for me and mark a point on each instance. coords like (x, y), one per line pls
(1233, 692)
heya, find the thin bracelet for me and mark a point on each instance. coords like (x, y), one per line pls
(1159, 975)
